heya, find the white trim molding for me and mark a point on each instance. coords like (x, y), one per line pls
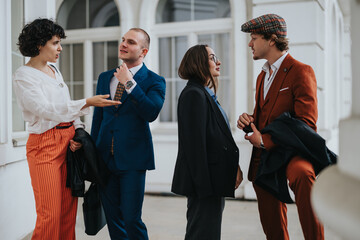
(102, 34)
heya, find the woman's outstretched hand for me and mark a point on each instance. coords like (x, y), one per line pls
(100, 101)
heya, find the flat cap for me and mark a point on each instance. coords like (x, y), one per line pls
(268, 23)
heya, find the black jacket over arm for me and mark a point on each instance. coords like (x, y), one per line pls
(84, 164)
(295, 138)
(208, 157)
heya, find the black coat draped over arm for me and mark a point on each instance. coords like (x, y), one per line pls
(294, 138)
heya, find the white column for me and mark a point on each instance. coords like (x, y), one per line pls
(336, 194)
(243, 88)
(147, 13)
(88, 77)
(355, 37)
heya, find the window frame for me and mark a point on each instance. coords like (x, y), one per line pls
(87, 38)
(87, 12)
(191, 31)
(9, 153)
(19, 138)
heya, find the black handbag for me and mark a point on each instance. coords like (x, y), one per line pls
(94, 216)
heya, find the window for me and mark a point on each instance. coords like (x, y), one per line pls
(211, 17)
(171, 52)
(219, 43)
(191, 10)
(17, 23)
(91, 46)
(72, 69)
(106, 58)
(98, 13)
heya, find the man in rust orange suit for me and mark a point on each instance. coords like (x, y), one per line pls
(284, 85)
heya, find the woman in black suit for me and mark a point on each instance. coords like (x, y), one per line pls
(207, 167)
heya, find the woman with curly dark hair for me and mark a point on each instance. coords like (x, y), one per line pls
(52, 119)
(206, 169)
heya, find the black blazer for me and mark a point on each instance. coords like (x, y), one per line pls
(294, 138)
(208, 157)
(84, 164)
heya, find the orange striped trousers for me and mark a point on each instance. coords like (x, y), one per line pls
(55, 206)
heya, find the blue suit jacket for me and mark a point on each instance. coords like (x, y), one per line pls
(128, 124)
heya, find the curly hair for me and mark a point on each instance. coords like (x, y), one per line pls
(281, 43)
(36, 34)
(195, 67)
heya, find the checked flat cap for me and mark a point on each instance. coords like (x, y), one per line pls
(268, 23)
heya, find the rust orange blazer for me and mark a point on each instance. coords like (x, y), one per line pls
(293, 90)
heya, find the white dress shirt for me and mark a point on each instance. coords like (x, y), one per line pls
(114, 81)
(274, 67)
(45, 101)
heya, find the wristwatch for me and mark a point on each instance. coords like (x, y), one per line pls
(129, 84)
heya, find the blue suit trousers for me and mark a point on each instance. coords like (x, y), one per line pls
(122, 200)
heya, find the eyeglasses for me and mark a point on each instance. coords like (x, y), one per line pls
(214, 58)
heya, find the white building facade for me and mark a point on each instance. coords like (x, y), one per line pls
(319, 34)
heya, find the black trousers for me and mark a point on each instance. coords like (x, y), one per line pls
(204, 217)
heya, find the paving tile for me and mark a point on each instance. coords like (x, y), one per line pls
(165, 218)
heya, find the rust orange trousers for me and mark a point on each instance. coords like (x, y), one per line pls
(273, 213)
(55, 206)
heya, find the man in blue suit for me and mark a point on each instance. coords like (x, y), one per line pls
(123, 137)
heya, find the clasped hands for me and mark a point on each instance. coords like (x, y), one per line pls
(255, 137)
(74, 146)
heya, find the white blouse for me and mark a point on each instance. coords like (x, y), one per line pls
(45, 101)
